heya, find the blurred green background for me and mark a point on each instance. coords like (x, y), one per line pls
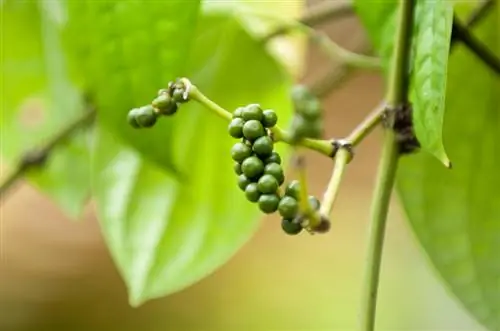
(56, 274)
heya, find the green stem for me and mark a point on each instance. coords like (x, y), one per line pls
(324, 147)
(397, 95)
(380, 207)
(342, 157)
(367, 126)
(312, 217)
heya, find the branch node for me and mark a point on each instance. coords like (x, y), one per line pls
(400, 119)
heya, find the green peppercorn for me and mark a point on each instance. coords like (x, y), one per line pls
(314, 202)
(240, 151)
(178, 95)
(293, 189)
(267, 184)
(263, 146)
(146, 116)
(252, 112)
(132, 118)
(274, 158)
(290, 227)
(238, 112)
(252, 192)
(288, 207)
(252, 167)
(235, 127)
(269, 118)
(162, 91)
(268, 203)
(243, 182)
(165, 104)
(310, 109)
(304, 128)
(253, 129)
(237, 168)
(275, 170)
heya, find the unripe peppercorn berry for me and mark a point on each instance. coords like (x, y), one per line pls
(290, 227)
(311, 109)
(293, 189)
(146, 116)
(132, 118)
(165, 104)
(268, 203)
(240, 152)
(263, 146)
(267, 184)
(237, 168)
(253, 129)
(252, 167)
(252, 112)
(252, 192)
(235, 128)
(238, 112)
(178, 96)
(288, 207)
(274, 158)
(275, 170)
(243, 182)
(269, 118)
(314, 202)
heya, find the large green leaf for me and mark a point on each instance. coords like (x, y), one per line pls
(123, 52)
(166, 234)
(431, 39)
(456, 213)
(33, 68)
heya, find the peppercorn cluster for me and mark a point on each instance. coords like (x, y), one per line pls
(307, 121)
(165, 104)
(258, 166)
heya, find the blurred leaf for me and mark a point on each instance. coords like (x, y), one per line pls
(123, 53)
(455, 213)
(165, 234)
(33, 67)
(431, 39)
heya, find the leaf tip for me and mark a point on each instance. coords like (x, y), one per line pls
(135, 300)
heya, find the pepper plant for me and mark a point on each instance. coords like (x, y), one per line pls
(150, 105)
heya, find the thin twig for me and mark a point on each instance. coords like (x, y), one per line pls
(39, 155)
(326, 11)
(462, 33)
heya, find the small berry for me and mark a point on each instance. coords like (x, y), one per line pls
(240, 151)
(267, 184)
(304, 128)
(165, 104)
(132, 118)
(268, 203)
(252, 192)
(237, 168)
(238, 112)
(275, 170)
(293, 189)
(314, 202)
(243, 182)
(146, 116)
(252, 167)
(235, 128)
(290, 227)
(162, 91)
(178, 95)
(263, 146)
(252, 112)
(288, 207)
(274, 158)
(269, 118)
(253, 129)
(311, 109)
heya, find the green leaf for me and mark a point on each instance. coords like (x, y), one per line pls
(38, 102)
(428, 91)
(455, 214)
(166, 234)
(431, 39)
(123, 52)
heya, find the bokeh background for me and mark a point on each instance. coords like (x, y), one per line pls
(56, 274)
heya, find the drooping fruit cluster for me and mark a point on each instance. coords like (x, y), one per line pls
(258, 166)
(307, 121)
(165, 104)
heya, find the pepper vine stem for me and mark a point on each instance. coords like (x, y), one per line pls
(37, 157)
(397, 96)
